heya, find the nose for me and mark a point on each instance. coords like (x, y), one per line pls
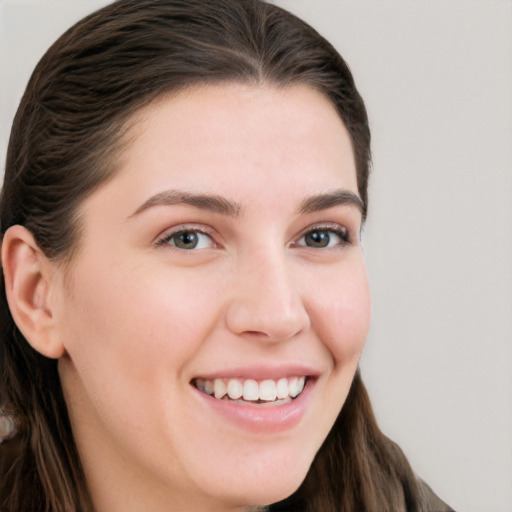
(265, 300)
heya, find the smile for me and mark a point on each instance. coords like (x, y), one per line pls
(262, 392)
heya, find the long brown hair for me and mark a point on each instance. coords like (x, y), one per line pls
(65, 142)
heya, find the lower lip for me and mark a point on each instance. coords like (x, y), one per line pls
(262, 419)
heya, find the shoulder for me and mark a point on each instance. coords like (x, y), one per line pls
(430, 501)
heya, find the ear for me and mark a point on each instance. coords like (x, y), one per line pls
(28, 286)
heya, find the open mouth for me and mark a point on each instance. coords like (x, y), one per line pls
(251, 391)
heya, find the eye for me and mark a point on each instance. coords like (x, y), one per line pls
(324, 238)
(187, 239)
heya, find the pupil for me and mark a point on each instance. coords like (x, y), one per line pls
(318, 239)
(187, 240)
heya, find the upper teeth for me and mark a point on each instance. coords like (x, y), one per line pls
(252, 390)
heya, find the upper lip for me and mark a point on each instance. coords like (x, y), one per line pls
(260, 372)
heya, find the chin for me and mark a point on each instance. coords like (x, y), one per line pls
(261, 488)
(264, 494)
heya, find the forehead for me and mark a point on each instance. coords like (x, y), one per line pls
(229, 129)
(261, 147)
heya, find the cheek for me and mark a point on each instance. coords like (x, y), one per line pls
(342, 313)
(136, 324)
(130, 345)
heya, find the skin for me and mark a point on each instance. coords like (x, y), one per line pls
(135, 319)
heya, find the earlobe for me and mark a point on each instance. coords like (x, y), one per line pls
(28, 286)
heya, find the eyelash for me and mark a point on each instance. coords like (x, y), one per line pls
(339, 231)
(166, 238)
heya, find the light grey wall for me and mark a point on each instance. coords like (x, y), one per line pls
(437, 79)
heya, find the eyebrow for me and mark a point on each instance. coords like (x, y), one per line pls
(209, 202)
(218, 204)
(339, 197)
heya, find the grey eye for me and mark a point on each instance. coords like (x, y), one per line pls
(323, 238)
(189, 240)
(317, 239)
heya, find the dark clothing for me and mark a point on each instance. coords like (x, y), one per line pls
(432, 503)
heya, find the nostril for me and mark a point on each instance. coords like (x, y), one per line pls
(266, 323)
(266, 305)
(275, 330)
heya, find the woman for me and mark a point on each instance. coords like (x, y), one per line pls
(186, 300)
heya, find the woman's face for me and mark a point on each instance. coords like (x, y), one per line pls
(224, 256)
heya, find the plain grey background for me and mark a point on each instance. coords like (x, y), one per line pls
(437, 79)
